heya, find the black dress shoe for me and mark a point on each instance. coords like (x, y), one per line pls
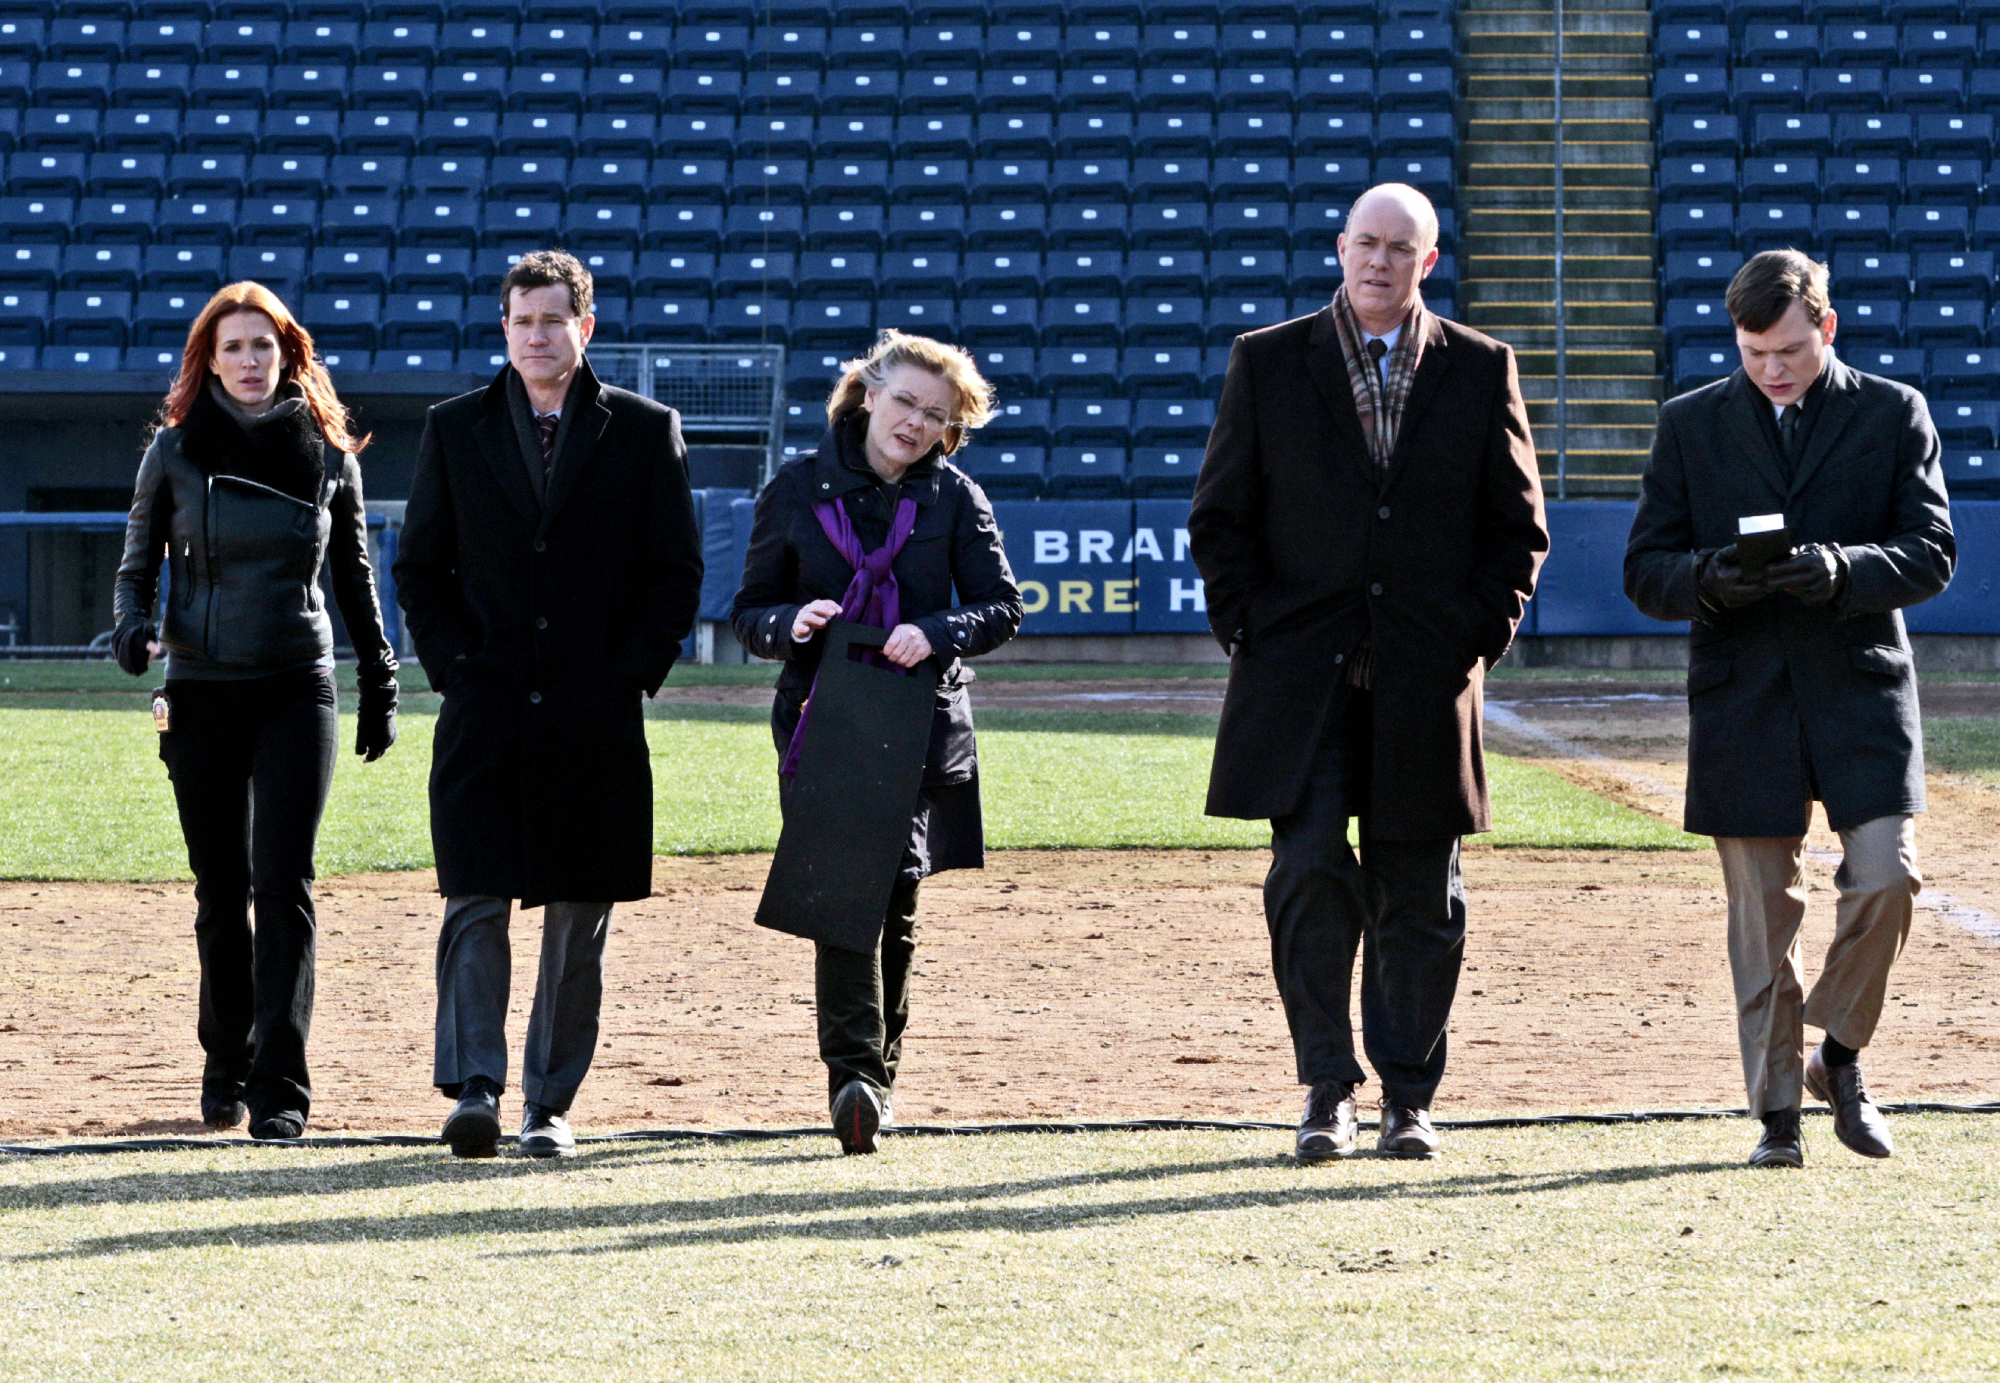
(1857, 1123)
(473, 1129)
(221, 1112)
(1783, 1143)
(1326, 1129)
(270, 1128)
(1407, 1132)
(545, 1133)
(857, 1118)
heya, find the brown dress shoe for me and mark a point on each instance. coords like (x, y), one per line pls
(1783, 1143)
(1326, 1129)
(1857, 1123)
(1407, 1133)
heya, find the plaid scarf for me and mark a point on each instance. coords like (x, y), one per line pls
(1380, 404)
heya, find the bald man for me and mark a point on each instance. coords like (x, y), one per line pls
(1369, 524)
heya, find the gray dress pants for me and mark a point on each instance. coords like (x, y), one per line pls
(474, 971)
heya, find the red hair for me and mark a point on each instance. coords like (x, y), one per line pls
(301, 366)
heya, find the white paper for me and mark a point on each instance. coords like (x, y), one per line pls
(1760, 523)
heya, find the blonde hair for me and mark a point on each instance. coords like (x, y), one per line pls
(948, 363)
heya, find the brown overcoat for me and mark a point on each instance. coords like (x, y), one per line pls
(1304, 549)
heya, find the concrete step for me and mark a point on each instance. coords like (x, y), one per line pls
(1532, 201)
(1477, 24)
(1508, 319)
(1629, 441)
(1575, 174)
(1541, 129)
(1639, 391)
(1491, 146)
(1476, 244)
(1577, 267)
(1578, 48)
(1504, 291)
(1524, 86)
(1627, 414)
(1541, 106)
(1540, 359)
(1633, 340)
(1575, 69)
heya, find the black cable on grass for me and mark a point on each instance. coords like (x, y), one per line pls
(761, 1135)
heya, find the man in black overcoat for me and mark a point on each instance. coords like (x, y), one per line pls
(1368, 523)
(1800, 682)
(550, 568)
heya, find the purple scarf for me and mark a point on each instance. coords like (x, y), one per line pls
(871, 598)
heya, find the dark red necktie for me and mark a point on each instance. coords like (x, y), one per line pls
(547, 423)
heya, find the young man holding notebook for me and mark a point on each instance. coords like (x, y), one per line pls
(1791, 511)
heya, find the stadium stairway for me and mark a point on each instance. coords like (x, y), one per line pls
(1506, 191)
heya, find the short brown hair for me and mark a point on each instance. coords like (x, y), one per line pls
(545, 269)
(949, 363)
(1764, 288)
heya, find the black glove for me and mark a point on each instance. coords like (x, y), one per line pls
(128, 644)
(1814, 573)
(1720, 578)
(376, 720)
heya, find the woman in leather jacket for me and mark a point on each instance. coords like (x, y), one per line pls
(249, 486)
(881, 478)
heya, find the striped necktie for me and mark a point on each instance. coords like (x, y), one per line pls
(547, 423)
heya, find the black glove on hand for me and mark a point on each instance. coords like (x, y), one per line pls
(128, 644)
(376, 727)
(1813, 573)
(1720, 578)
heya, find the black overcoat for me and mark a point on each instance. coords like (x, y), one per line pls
(544, 623)
(1303, 549)
(1789, 702)
(955, 545)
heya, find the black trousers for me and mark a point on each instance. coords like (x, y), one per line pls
(864, 998)
(474, 971)
(1400, 902)
(251, 762)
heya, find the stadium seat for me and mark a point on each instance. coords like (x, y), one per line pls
(1955, 277)
(364, 269)
(1800, 134)
(1702, 90)
(1960, 373)
(1972, 474)
(1692, 136)
(1887, 136)
(1788, 179)
(1709, 226)
(1845, 91)
(1696, 323)
(1853, 228)
(341, 321)
(1904, 366)
(668, 320)
(1172, 422)
(190, 268)
(1874, 323)
(90, 318)
(1087, 471)
(1021, 421)
(23, 317)
(102, 267)
(1876, 276)
(1077, 422)
(1084, 134)
(1875, 181)
(421, 321)
(1952, 182)
(1695, 366)
(1079, 371)
(1773, 45)
(1967, 425)
(277, 221)
(1962, 136)
(1915, 229)
(1704, 180)
(1004, 471)
(926, 229)
(33, 267)
(1866, 45)
(1932, 325)
(908, 274)
(1162, 472)
(1082, 321)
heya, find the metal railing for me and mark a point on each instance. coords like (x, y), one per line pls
(1562, 336)
(732, 389)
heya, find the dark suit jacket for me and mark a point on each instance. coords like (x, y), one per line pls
(1303, 551)
(543, 623)
(1789, 702)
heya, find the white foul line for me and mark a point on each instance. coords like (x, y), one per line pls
(1940, 905)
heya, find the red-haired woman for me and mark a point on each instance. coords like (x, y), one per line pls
(250, 485)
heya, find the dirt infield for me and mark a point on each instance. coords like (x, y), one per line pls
(1090, 984)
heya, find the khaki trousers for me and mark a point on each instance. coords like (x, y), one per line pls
(1878, 883)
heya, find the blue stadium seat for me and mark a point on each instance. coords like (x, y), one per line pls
(406, 86)
(1415, 45)
(1853, 228)
(1935, 325)
(855, 228)
(342, 321)
(1090, 471)
(669, 274)
(447, 175)
(1919, 92)
(1336, 90)
(220, 132)
(703, 93)
(1859, 45)
(519, 224)
(1876, 276)
(421, 321)
(609, 180)
(1010, 274)
(1699, 323)
(389, 43)
(864, 137)
(1955, 277)
(669, 320)
(1845, 91)
(1341, 134)
(1904, 366)
(1163, 472)
(1249, 273)
(1165, 321)
(311, 86)
(1230, 316)
(162, 361)
(547, 90)
(1692, 90)
(1337, 45)
(561, 44)
(618, 136)
(1773, 226)
(926, 316)
(1708, 226)
(696, 136)
(1005, 472)
(45, 173)
(1090, 45)
(1968, 425)
(1255, 134)
(1414, 88)
(365, 269)
(281, 268)
(1874, 323)
(932, 181)
(1947, 182)
(288, 175)
(97, 356)
(1172, 422)
(1079, 321)
(1704, 181)
(1800, 134)
(90, 40)
(1889, 135)
(23, 36)
(1021, 421)
(37, 268)
(1253, 45)
(1152, 372)
(163, 318)
(528, 179)
(1961, 373)
(1937, 46)
(162, 86)
(1787, 179)
(321, 41)
(1985, 228)
(115, 220)
(462, 134)
(953, 137)
(320, 132)
(1969, 474)
(277, 221)
(1697, 135)
(1082, 134)
(1316, 272)
(1078, 422)
(23, 317)
(1182, 225)
(1244, 90)
(444, 220)
(1252, 225)
(920, 228)
(1876, 181)
(747, 319)
(190, 268)
(103, 268)
(1774, 45)
(918, 274)
(1079, 371)
(603, 228)
(90, 318)
(1915, 229)
(256, 42)
(1966, 136)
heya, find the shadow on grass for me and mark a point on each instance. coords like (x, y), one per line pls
(868, 1213)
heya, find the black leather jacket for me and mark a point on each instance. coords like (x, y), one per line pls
(245, 556)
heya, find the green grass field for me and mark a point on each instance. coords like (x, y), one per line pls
(1049, 779)
(1642, 1252)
